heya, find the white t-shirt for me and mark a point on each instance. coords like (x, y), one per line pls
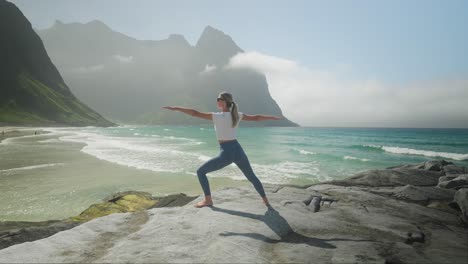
(223, 125)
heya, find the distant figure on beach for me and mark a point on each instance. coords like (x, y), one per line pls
(226, 124)
(35, 132)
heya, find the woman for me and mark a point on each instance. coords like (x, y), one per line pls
(226, 123)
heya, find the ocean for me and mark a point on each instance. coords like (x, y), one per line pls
(55, 175)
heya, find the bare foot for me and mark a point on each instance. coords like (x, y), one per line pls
(203, 204)
(265, 201)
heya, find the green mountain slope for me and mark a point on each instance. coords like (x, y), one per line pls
(32, 90)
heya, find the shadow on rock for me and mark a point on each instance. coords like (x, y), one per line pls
(281, 227)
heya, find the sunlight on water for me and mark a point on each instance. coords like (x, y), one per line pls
(60, 174)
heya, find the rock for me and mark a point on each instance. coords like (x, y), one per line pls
(459, 182)
(453, 170)
(416, 237)
(120, 195)
(447, 178)
(328, 200)
(432, 165)
(435, 165)
(131, 201)
(461, 198)
(422, 193)
(173, 200)
(442, 205)
(363, 227)
(417, 166)
(392, 177)
(15, 232)
(315, 203)
(118, 203)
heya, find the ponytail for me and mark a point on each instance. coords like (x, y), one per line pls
(227, 97)
(234, 114)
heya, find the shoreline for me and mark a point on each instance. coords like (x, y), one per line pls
(407, 186)
(403, 214)
(19, 131)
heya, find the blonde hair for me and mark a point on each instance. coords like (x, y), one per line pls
(231, 105)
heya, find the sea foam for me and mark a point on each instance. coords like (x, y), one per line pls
(427, 153)
(354, 158)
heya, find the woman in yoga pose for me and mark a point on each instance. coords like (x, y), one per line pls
(226, 124)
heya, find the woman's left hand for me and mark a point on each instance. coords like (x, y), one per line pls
(169, 107)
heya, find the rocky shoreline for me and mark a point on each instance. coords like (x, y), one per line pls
(16, 232)
(413, 213)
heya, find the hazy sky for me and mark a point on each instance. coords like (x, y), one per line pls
(380, 63)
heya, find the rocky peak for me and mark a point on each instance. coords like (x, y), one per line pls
(217, 46)
(98, 24)
(178, 39)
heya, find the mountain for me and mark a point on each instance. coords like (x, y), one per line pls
(32, 90)
(128, 80)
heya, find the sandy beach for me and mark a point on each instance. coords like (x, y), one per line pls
(17, 131)
(44, 178)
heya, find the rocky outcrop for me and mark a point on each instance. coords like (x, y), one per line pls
(454, 182)
(392, 177)
(431, 183)
(15, 232)
(12, 232)
(428, 173)
(419, 194)
(323, 223)
(453, 170)
(461, 199)
(362, 227)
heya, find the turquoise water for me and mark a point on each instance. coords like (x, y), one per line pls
(60, 174)
(278, 155)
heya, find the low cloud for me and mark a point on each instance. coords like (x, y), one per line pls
(208, 68)
(123, 59)
(321, 98)
(88, 69)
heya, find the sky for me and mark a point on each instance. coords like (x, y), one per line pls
(328, 63)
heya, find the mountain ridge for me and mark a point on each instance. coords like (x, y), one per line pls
(137, 77)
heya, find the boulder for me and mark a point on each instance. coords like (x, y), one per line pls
(392, 177)
(453, 170)
(459, 182)
(461, 198)
(431, 165)
(436, 165)
(447, 178)
(442, 205)
(422, 193)
(118, 203)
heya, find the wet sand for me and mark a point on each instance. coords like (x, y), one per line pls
(12, 131)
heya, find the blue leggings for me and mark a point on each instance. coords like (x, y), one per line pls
(231, 151)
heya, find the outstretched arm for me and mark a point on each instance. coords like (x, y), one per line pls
(260, 117)
(190, 111)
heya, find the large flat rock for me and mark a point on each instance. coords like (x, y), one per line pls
(361, 227)
(393, 177)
